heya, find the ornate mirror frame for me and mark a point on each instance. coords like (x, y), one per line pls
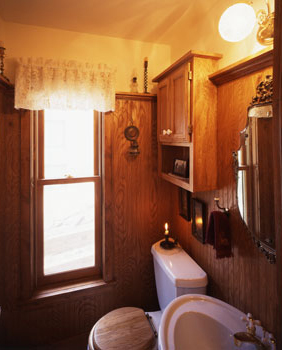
(254, 200)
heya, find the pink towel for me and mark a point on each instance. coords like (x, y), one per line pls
(218, 234)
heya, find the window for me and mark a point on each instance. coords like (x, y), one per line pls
(67, 195)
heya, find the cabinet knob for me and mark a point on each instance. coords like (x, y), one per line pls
(167, 132)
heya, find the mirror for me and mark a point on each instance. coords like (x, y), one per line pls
(253, 164)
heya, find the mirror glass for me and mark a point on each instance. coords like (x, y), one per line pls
(254, 171)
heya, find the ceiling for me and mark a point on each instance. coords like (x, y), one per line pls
(145, 20)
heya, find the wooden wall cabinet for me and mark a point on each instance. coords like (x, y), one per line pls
(187, 104)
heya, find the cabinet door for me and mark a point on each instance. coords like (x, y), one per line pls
(164, 122)
(180, 104)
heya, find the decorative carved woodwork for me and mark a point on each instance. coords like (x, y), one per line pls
(264, 92)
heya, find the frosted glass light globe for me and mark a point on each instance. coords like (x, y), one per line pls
(237, 22)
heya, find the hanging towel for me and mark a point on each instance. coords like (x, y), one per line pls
(218, 234)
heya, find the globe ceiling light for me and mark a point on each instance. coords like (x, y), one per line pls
(237, 22)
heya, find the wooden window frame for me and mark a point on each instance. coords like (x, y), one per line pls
(40, 182)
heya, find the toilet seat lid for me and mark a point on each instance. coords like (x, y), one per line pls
(125, 328)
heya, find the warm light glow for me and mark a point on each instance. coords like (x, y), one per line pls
(237, 22)
(199, 221)
(166, 228)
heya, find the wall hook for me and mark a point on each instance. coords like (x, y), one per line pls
(226, 210)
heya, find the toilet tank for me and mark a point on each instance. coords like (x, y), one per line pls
(176, 273)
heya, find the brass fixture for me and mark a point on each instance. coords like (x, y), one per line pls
(241, 338)
(265, 20)
(226, 210)
(261, 341)
(131, 133)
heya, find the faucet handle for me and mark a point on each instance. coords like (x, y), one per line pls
(248, 317)
(272, 341)
(251, 323)
(268, 340)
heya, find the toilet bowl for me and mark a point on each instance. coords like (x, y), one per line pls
(176, 274)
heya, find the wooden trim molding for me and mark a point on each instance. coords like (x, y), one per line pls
(248, 65)
(27, 214)
(135, 96)
(189, 55)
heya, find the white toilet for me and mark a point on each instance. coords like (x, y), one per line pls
(176, 274)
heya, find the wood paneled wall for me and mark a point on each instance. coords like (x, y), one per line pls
(137, 203)
(246, 280)
(135, 211)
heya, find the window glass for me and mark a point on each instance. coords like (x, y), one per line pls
(68, 144)
(68, 227)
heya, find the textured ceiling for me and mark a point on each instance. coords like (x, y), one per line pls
(145, 20)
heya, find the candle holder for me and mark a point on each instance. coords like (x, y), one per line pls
(2, 55)
(167, 243)
(146, 75)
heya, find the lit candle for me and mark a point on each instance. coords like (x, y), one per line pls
(166, 229)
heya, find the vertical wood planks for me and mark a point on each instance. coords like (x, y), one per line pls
(245, 280)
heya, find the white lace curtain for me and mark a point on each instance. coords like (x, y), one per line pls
(56, 84)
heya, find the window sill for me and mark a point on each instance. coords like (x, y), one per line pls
(65, 291)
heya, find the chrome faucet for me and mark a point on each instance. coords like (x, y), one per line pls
(265, 342)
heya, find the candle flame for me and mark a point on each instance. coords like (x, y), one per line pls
(166, 226)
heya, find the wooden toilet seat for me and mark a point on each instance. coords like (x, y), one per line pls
(125, 328)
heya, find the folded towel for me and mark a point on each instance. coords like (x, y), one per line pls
(218, 234)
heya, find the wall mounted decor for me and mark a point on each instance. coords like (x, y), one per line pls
(131, 133)
(185, 204)
(180, 167)
(253, 165)
(198, 219)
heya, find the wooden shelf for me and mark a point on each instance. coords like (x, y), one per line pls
(135, 96)
(177, 180)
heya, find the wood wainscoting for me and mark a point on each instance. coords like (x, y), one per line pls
(246, 280)
(135, 211)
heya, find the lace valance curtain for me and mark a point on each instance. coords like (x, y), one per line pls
(56, 84)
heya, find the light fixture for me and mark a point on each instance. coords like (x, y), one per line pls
(238, 21)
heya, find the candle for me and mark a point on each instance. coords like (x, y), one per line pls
(146, 59)
(166, 229)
